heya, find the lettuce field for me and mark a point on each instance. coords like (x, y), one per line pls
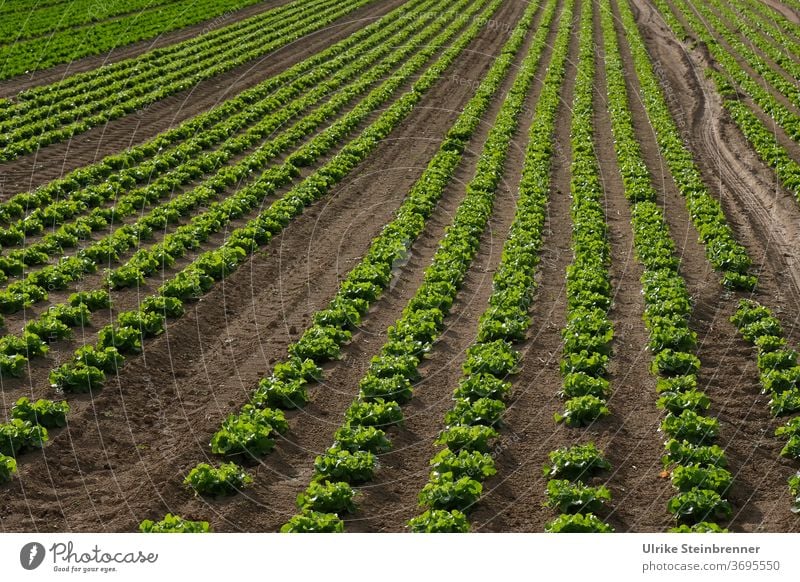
(400, 266)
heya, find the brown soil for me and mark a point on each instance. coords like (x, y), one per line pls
(131, 446)
(127, 449)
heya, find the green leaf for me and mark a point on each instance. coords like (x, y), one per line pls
(174, 524)
(439, 521)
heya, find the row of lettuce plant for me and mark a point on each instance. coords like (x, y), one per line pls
(771, 72)
(87, 370)
(286, 388)
(724, 253)
(146, 161)
(777, 24)
(696, 466)
(83, 86)
(53, 324)
(787, 118)
(774, 360)
(32, 135)
(387, 386)
(779, 375)
(21, 22)
(109, 248)
(768, 29)
(27, 430)
(29, 421)
(147, 262)
(588, 332)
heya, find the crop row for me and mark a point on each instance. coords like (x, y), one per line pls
(386, 386)
(721, 248)
(286, 387)
(782, 28)
(459, 468)
(136, 91)
(762, 96)
(779, 375)
(697, 469)
(88, 369)
(588, 332)
(775, 43)
(83, 87)
(109, 248)
(27, 430)
(775, 363)
(12, 6)
(145, 162)
(747, 50)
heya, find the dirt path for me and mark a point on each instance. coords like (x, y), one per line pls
(134, 453)
(783, 138)
(54, 161)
